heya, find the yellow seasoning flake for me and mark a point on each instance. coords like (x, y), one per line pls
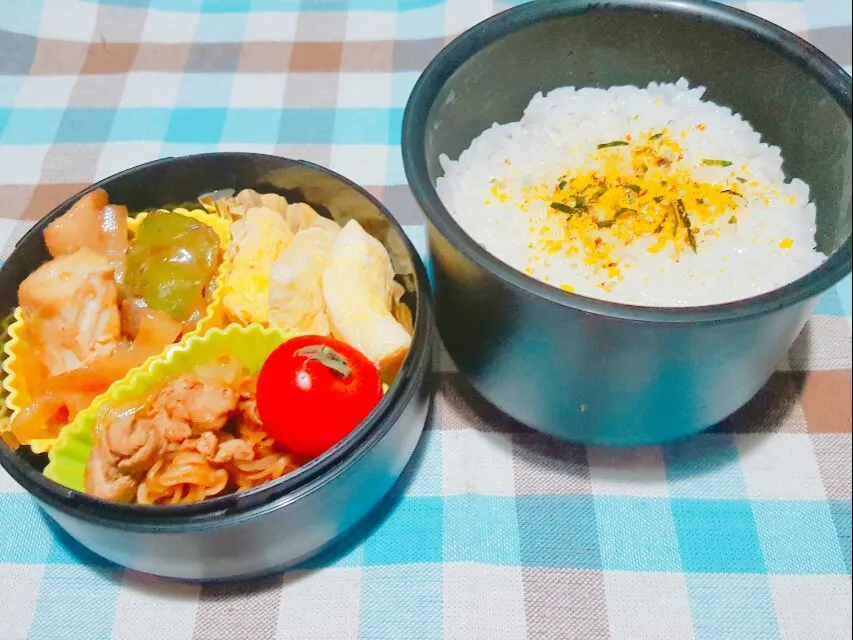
(638, 189)
(786, 243)
(499, 194)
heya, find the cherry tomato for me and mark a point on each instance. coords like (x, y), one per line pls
(314, 390)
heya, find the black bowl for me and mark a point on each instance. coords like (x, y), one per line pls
(286, 521)
(595, 371)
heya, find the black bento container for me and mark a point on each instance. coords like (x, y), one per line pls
(287, 521)
(599, 372)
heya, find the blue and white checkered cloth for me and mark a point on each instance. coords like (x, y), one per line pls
(743, 532)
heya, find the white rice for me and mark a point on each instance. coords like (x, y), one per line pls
(557, 134)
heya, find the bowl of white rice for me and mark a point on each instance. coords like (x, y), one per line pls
(632, 209)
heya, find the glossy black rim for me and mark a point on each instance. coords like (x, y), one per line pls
(274, 494)
(830, 75)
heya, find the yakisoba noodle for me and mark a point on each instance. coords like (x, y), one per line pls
(196, 436)
(181, 477)
(240, 456)
(269, 461)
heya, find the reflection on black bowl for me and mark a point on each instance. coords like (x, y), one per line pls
(286, 521)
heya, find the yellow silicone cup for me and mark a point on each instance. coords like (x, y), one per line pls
(14, 385)
(251, 345)
(5, 412)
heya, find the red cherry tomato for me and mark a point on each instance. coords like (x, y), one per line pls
(314, 390)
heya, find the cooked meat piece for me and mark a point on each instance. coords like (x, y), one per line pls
(72, 304)
(136, 442)
(234, 450)
(203, 404)
(79, 227)
(129, 446)
(206, 444)
(92, 223)
(173, 428)
(103, 479)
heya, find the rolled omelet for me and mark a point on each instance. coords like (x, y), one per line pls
(302, 216)
(296, 292)
(238, 205)
(358, 287)
(258, 239)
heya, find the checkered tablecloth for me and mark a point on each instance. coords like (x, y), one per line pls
(743, 532)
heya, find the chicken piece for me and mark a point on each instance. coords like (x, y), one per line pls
(301, 216)
(128, 447)
(103, 480)
(173, 428)
(296, 292)
(207, 444)
(77, 228)
(92, 223)
(72, 303)
(136, 441)
(358, 287)
(257, 241)
(200, 404)
(235, 450)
